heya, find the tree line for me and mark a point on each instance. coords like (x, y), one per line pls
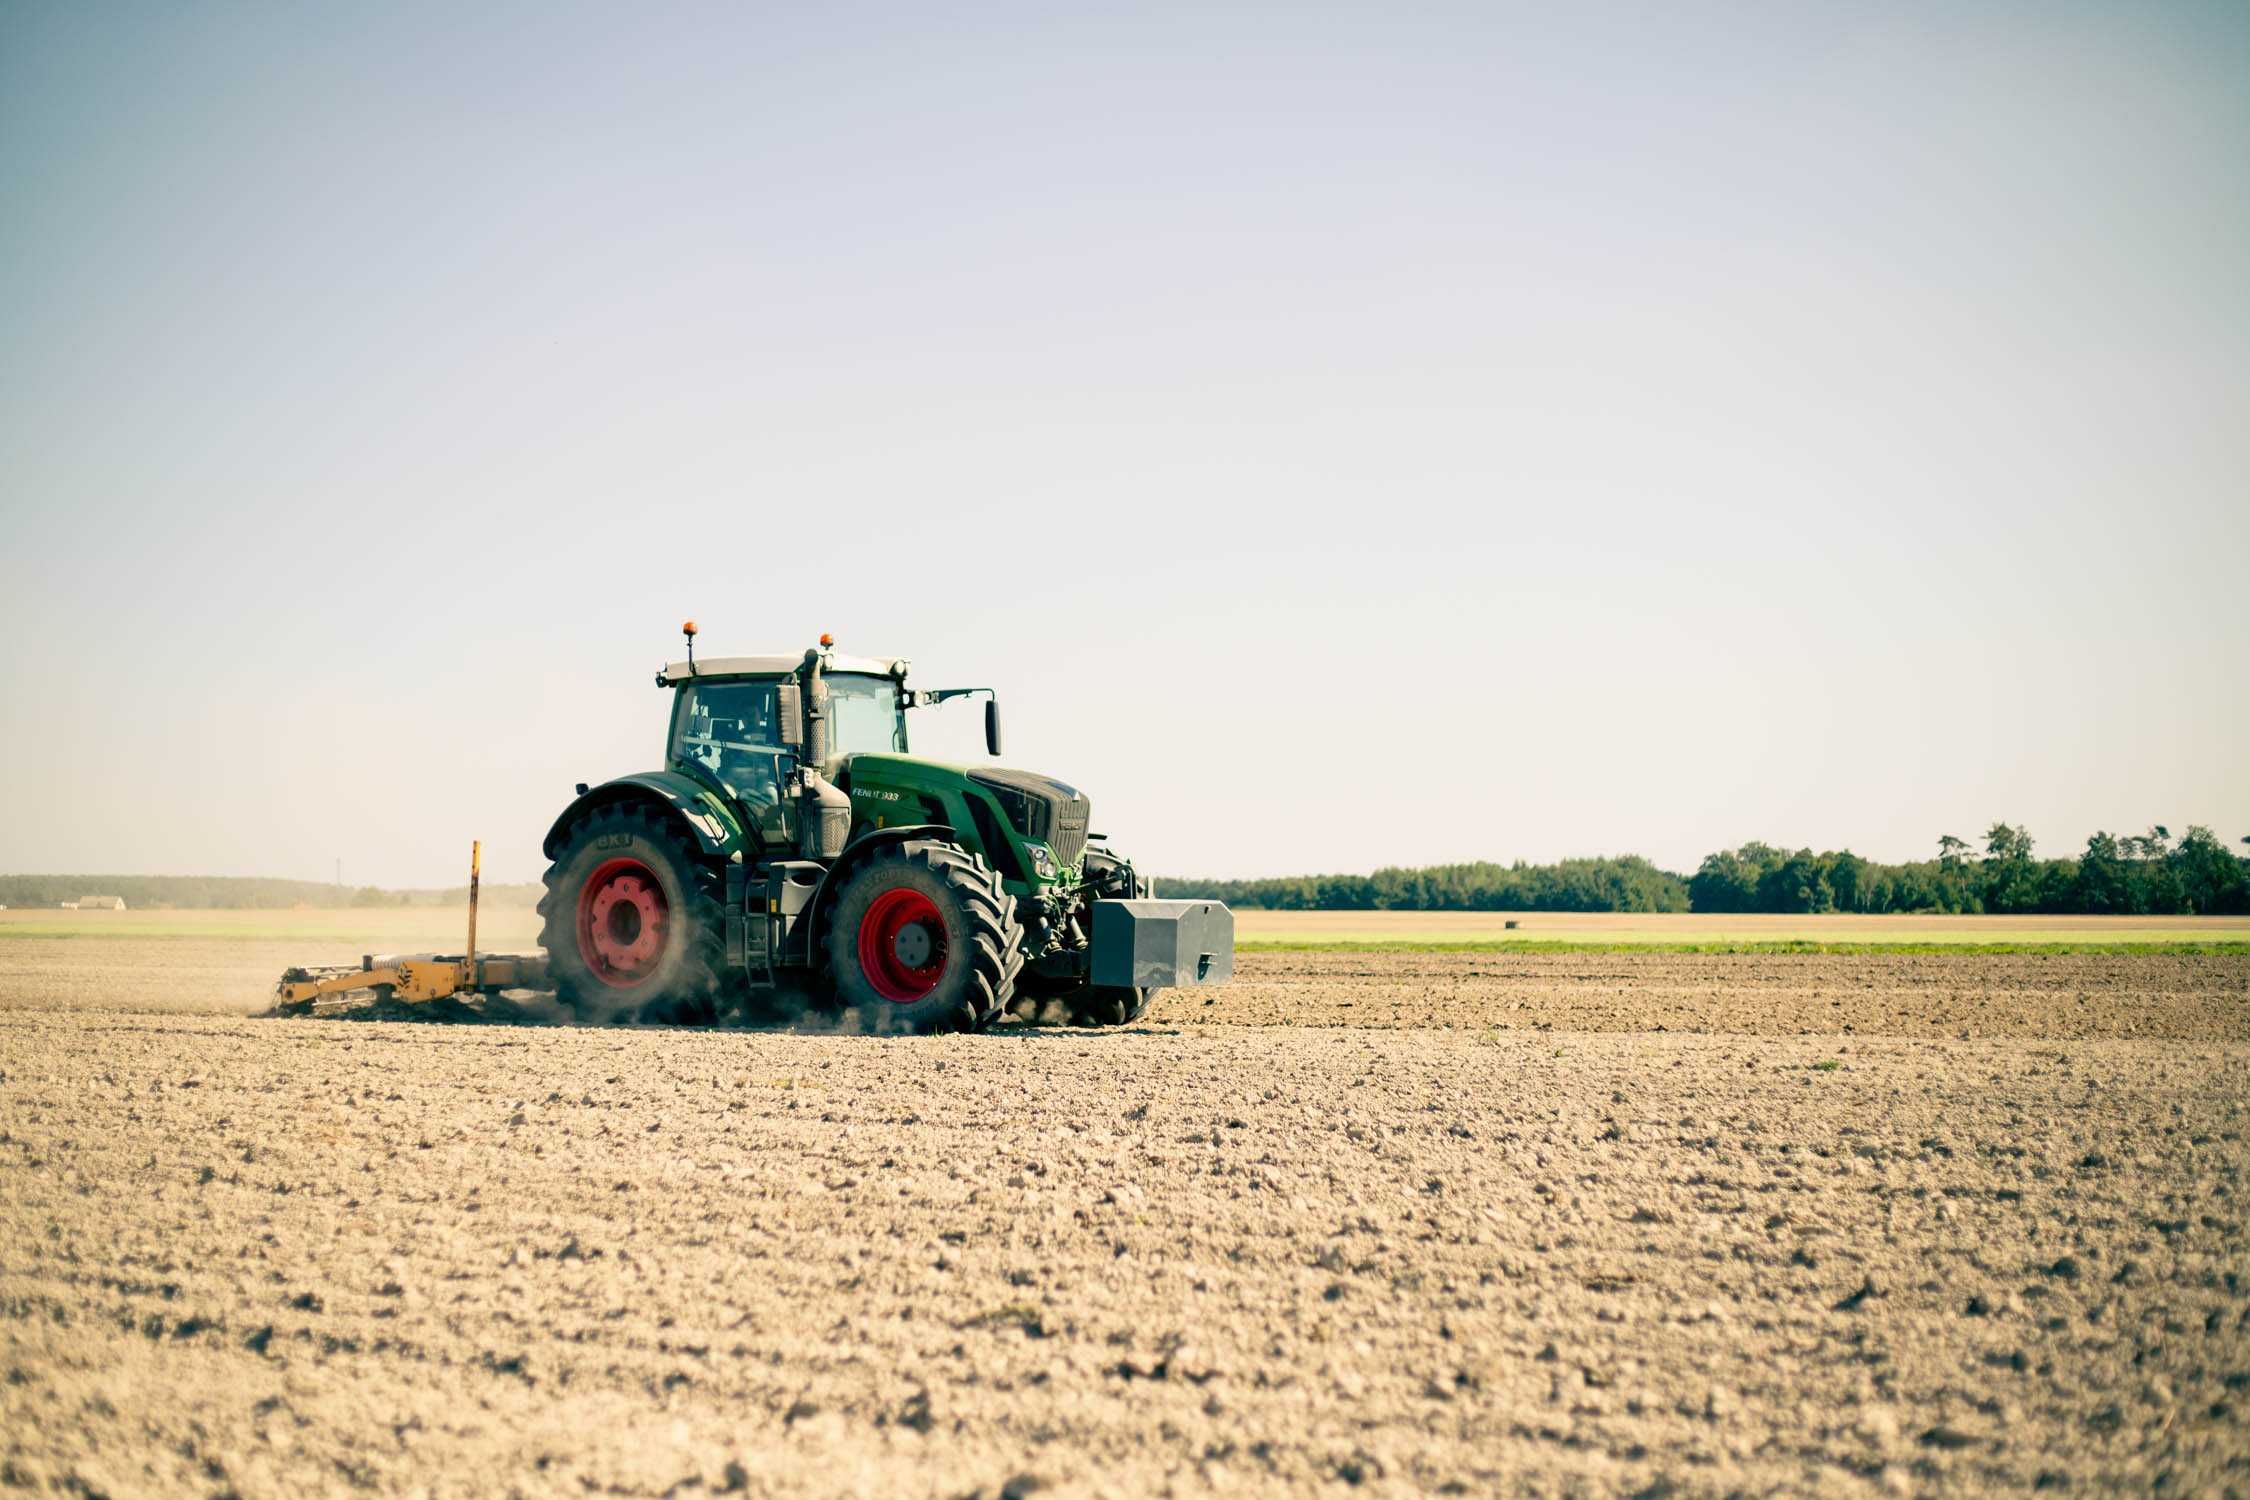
(2146, 874)
(1627, 883)
(239, 893)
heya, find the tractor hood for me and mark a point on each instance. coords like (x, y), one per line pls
(893, 789)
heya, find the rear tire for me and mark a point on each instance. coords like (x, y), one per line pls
(1078, 1002)
(634, 920)
(923, 938)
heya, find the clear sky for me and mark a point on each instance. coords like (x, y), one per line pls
(1346, 435)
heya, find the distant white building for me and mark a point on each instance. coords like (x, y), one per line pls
(96, 903)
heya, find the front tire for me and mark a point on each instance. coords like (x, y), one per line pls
(923, 938)
(634, 920)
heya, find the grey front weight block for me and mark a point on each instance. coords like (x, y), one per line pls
(1162, 945)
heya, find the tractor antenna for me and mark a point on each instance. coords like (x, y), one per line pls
(688, 629)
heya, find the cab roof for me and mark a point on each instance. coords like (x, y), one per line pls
(778, 666)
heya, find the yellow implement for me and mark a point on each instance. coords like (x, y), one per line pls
(420, 976)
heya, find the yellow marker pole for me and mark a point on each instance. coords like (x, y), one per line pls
(476, 864)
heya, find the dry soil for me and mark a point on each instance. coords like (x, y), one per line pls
(1980, 1227)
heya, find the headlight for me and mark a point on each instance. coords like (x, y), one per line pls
(1043, 861)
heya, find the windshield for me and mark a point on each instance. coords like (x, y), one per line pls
(863, 714)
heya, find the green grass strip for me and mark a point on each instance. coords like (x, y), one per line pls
(2185, 949)
(337, 935)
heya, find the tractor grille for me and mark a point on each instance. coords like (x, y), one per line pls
(1042, 808)
(1066, 834)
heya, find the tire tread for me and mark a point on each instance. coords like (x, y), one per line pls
(698, 990)
(995, 937)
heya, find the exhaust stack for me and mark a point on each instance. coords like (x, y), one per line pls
(824, 812)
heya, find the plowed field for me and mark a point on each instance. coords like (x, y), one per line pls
(1600, 1222)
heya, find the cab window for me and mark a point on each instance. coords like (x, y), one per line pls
(864, 715)
(731, 730)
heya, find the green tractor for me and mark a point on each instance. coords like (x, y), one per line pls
(792, 854)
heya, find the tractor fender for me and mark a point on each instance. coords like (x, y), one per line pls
(855, 853)
(687, 801)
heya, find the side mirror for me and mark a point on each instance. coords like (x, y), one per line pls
(992, 726)
(789, 707)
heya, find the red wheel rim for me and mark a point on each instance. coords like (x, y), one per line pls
(902, 945)
(623, 920)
